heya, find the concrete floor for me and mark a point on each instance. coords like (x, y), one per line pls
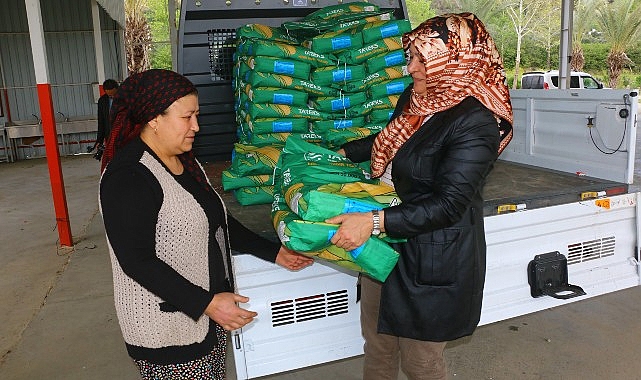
(58, 318)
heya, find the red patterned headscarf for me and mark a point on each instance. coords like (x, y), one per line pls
(461, 61)
(140, 98)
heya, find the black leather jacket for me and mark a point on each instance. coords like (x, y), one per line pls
(435, 291)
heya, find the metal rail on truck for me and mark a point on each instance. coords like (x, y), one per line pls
(205, 56)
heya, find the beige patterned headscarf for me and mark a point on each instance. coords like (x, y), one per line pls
(461, 61)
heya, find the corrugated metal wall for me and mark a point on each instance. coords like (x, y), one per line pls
(70, 52)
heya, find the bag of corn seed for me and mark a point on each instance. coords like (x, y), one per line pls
(309, 163)
(390, 87)
(380, 116)
(394, 58)
(334, 11)
(388, 73)
(275, 95)
(254, 195)
(349, 21)
(338, 104)
(322, 126)
(267, 110)
(384, 29)
(335, 138)
(258, 79)
(369, 50)
(367, 107)
(332, 75)
(282, 216)
(232, 181)
(265, 32)
(252, 160)
(284, 50)
(282, 66)
(331, 42)
(279, 139)
(274, 125)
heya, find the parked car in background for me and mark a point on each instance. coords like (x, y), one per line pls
(550, 80)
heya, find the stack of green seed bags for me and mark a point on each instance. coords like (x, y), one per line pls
(312, 184)
(332, 77)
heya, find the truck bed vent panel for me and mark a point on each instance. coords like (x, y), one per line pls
(222, 45)
(311, 307)
(591, 250)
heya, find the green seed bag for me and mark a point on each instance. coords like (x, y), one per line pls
(338, 75)
(380, 116)
(334, 11)
(276, 95)
(335, 138)
(252, 160)
(279, 139)
(282, 66)
(394, 58)
(258, 79)
(273, 125)
(339, 104)
(232, 181)
(254, 195)
(380, 103)
(384, 29)
(372, 49)
(257, 111)
(390, 87)
(284, 50)
(264, 32)
(333, 42)
(393, 72)
(322, 126)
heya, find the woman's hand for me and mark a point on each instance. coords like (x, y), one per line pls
(355, 228)
(292, 260)
(223, 309)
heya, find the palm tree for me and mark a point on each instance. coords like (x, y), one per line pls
(620, 21)
(137, 36)
(583, 17)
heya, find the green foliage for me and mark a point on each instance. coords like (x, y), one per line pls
(157, 16)
(419, 11)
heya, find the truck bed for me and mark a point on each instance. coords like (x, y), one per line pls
(509, 184)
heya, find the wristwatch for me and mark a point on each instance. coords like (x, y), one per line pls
(376, 219)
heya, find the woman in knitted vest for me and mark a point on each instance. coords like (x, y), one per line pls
(169, 234)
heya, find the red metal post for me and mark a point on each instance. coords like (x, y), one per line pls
(53, 162)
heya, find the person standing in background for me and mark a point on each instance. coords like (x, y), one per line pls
(110, 87)
(447, 131)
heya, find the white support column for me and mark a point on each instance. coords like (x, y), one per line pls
(47, 116)
(565, 46)
(37, 35)
(123, 55)
(173, 34)
(97, 38)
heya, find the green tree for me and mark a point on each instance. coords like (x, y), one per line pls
(137, 36)
(419, 11)
(523, 15)
(620, 22)
(158, 16)
(582, 20)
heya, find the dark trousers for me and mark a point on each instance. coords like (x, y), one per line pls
(419, 360)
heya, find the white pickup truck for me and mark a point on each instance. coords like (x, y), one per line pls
(561, 185)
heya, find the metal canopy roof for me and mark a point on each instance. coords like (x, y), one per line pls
(115, 9)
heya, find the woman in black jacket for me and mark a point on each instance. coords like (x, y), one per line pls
(448, 129)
